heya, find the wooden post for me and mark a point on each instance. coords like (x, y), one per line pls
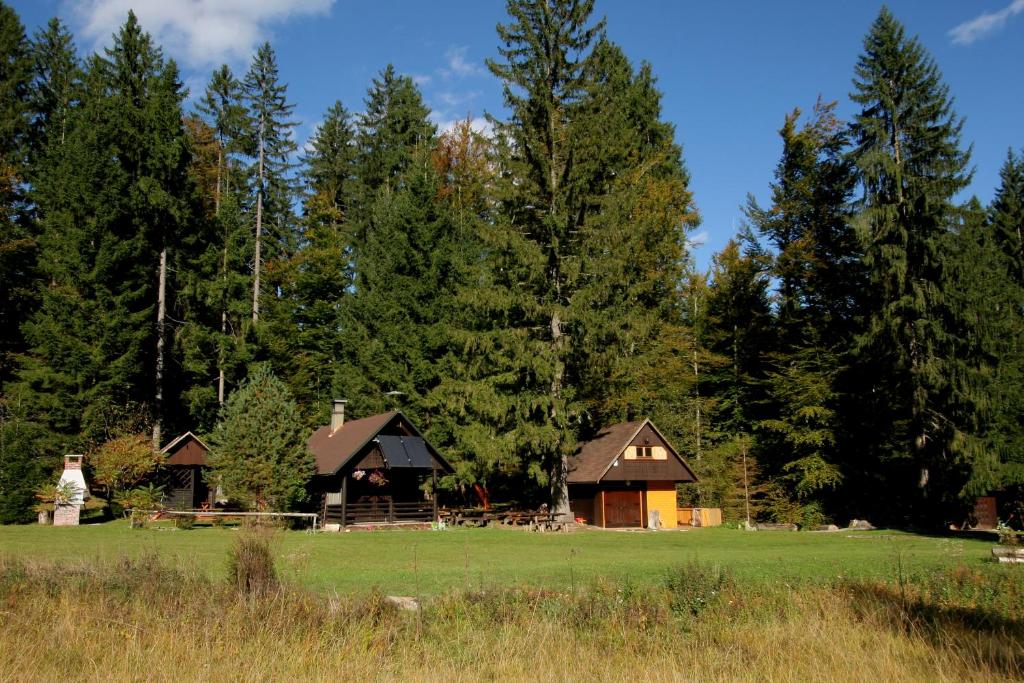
(344, 501)
(642, 525)
(604, 522)
(433, 490)
(391, 507)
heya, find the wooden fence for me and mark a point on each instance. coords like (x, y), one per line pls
(699, 516)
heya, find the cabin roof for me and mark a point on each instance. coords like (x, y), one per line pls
(334, 451)
(594, 458)
(186, 449)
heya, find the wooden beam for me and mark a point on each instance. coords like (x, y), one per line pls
(433, 490)
(344, 500)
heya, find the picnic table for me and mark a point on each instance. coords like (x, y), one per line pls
(535, 520)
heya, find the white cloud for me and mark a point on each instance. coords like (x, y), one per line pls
(984, 24)
(200, 33)
(457, 64)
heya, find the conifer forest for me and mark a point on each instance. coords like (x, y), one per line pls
(856, 350)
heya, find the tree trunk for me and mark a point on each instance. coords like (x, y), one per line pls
(224, 281)
(161, 314)
(560, 485)
(259, 237)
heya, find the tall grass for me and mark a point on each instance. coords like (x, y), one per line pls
(144, 620)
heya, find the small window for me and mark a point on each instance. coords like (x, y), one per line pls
(644, 452)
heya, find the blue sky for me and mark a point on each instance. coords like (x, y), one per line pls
(729, 71)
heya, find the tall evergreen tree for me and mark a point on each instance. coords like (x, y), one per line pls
(910, 166)
(17, 234)
(815, 260)
(271, 146)
(258, 451)
(323, 275)
(111, 214)
(219, 283)
(631, 353)
(543, 54)
(56, 86)
(392, 153)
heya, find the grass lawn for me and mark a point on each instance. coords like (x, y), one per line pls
(427, 562)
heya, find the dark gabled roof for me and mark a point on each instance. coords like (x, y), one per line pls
(333, 451)
(181, 452)
(594, 458)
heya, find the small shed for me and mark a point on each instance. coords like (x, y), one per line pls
(183, 481)
(626, 476)
(375, 470)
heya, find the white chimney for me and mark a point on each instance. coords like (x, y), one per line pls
(66, 513)
(338, 415)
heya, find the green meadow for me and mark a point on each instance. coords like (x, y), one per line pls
(410, 562)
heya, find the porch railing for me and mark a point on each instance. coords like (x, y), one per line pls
(382, 511)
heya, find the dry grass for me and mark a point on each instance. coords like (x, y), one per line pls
(142, 620)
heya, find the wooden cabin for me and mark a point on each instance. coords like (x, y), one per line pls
(626, 476)
(376, 470)
(182, 477)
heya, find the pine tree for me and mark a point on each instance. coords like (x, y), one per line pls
(323, 267)
(111, 213)
(56, 86)
(219, 284)
(258, 451)
(17, 234)
(394, 125)
(631, 352)
(390, 184)
(910, 165)
(536, 255)
(815, 260)
(271, 146)
(1006, 215)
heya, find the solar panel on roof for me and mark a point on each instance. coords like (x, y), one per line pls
(416, 448)
(394, 451)
(405, 451)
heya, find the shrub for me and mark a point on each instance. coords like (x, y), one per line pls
(694, 587)
(251, 563)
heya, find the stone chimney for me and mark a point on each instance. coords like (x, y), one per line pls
(338, 415)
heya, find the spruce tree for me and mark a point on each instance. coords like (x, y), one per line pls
(910, 166)
(258, 452)
(271, 145)
(631, 351)
(323, 271)
(389, 186)
(219, 281)
(56, 86)
(17, 232)
(544, 202)
(815, 259)
(111, 213)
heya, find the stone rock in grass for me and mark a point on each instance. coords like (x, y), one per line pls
(403, 602)
(861, 525)
(762, 526)
(826, 527)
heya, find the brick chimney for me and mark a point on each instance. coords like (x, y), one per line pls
(338, 415)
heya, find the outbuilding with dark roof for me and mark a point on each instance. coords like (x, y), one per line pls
(626, 476)
(375, 470)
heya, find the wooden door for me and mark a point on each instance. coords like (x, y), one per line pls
(622, 508)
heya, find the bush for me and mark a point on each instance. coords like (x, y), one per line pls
(694, 587)
(185, 522)
(251, 563)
